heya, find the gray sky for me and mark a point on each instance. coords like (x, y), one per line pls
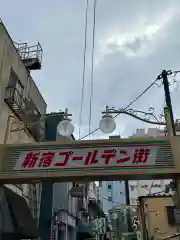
(135, 40)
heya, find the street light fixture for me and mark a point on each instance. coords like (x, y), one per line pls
(107, 124)
(65, 128)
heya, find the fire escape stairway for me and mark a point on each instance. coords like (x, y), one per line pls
(14, 101)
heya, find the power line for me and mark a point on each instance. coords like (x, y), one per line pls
(84, 66)
(127, 106)
(92, 66)
(151, 187)
(104, 198)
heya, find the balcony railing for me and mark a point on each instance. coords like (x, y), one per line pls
(25, 110)
(30, 55)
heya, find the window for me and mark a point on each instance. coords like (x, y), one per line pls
(156, 185)
(170, 215)
(110, 199)
(109, 194)
(15, 83)
(109, 186)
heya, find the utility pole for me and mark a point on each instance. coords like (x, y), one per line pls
(164, 77)
(170, 123)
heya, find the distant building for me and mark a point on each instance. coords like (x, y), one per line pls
(112, 193)
(146, 187)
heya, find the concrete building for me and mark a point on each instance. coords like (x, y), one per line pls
(21, 105)
(156, 217)
(112, 193)
(146, 187)
(95, 210)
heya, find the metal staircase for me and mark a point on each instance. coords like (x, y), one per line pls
(15, 101)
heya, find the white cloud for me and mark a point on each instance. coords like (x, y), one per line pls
(135, 40)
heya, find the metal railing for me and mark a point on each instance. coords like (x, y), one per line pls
(11, 93)
(172, 236)
(29, 52)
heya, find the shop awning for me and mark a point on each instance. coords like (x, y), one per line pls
(24, 224)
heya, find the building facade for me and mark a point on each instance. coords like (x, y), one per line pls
(156, 215)
(112, 193)
(147, 187)
(96, 214)
(21, 106)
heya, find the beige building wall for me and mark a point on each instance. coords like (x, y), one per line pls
(156, 218)
(9, 58)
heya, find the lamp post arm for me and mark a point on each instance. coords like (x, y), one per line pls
(131, 113)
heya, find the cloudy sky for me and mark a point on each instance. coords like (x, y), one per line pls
(134, 41)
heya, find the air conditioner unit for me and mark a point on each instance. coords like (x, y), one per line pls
(77, 191)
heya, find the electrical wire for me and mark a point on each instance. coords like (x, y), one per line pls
(101, 197)
(92, 65)
(126, 107)
(84, 66)
(165, 133)
(151, 187)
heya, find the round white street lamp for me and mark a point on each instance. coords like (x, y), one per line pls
(65, 128)
(107, 124)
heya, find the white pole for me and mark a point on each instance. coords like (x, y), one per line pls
(66, 226)
(56, 230)
(98, 237)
